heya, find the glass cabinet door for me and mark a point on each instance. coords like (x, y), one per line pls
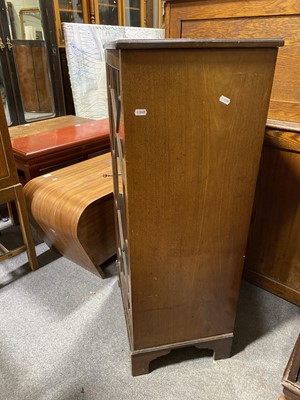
(121, 12)
(70, 11)
(133, 13)
(109, 12)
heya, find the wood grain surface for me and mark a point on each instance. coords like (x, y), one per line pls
(199, 193)
(190, 162)
(286, 126)
(273, 253)
(249, 19)
(34, 128)
(12, 190)
(59, 138)
(31, 62)
(72, 209)
(43, 147)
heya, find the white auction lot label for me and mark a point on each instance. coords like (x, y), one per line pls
(140, 112)
(225, 100)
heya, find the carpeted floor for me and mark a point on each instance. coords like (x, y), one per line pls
(63, 337)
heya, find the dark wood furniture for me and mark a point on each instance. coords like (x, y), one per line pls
(30, 82)
(291, 376)
(186, 152)
(43, 152)
(12, 190)
(32, 65)
(273, 255)
(244, 19)
(273, 251)
(73, 210)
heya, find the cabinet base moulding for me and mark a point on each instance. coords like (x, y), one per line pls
(141, 359)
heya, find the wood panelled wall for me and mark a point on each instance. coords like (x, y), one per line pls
(249, 19)
(273, 257)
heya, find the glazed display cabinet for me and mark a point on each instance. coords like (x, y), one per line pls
(105, 12)
(187, 127)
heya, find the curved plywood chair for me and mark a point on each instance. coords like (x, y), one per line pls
(72, 210)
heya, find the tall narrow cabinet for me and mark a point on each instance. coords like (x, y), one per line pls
(187, 126)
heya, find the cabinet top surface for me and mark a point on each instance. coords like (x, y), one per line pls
(60, 138)
(191, 43)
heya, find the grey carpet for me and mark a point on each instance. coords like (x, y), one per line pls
(63, 337)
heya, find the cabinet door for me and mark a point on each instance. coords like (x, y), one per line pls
(133, 13)
(26, 64)
(120, 12)
(69, 11)
(109, 12)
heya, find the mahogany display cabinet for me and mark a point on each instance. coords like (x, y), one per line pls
(187, 126)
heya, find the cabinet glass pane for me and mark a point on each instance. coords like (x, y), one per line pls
(71, 16)
(132, 13)
(108, 12)
(111, 3)
(133, 4)
(70, 4)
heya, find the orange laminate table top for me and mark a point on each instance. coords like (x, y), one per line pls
(60, 138)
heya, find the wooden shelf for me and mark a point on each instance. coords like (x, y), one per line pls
(70, 11)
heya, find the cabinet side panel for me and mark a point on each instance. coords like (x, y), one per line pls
(194, 123)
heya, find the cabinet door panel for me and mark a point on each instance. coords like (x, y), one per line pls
(69, 11)
(76, 17)
(132, 13)
(70, 4)
(109, 12)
